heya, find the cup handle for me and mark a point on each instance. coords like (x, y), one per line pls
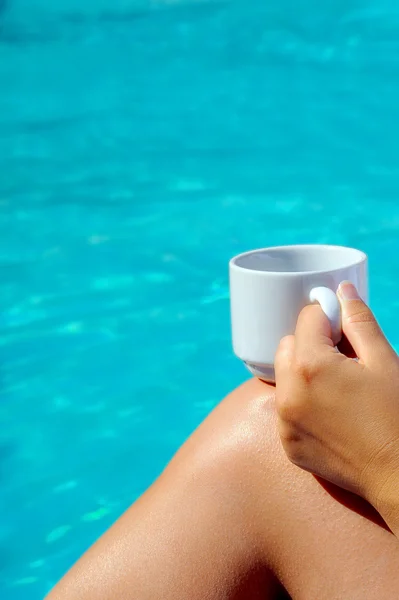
(331, 307)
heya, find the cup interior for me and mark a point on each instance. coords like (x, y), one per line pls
(299, 259)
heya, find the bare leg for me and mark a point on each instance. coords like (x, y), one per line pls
(228, 513)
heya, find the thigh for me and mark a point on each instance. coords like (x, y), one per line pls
(230, 517)
(321, 542)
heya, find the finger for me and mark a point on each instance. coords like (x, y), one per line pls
(283, 359)
(360, 326)
(282, 366)
(313, 333)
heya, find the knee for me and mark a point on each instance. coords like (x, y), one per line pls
(238, 446)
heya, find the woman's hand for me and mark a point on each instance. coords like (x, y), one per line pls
(339, 418)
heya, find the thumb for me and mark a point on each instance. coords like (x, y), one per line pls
(360, 326)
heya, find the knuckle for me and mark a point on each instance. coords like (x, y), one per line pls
(291, 409)
(286, 342)
(283, 407)
(359, 315)
(289, 435)
(293, 445)
(309, 310)
(308, 369)
(285, 346)
(297, 456)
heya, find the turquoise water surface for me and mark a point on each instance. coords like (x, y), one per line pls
(141, 146)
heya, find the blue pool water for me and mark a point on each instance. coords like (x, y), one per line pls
(142, 145)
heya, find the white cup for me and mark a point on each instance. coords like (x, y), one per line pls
(270, 287)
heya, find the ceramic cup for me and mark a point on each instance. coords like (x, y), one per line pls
(270, 287)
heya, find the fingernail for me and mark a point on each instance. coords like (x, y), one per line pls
(347, 291)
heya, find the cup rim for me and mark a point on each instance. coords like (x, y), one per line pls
(362, 257)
